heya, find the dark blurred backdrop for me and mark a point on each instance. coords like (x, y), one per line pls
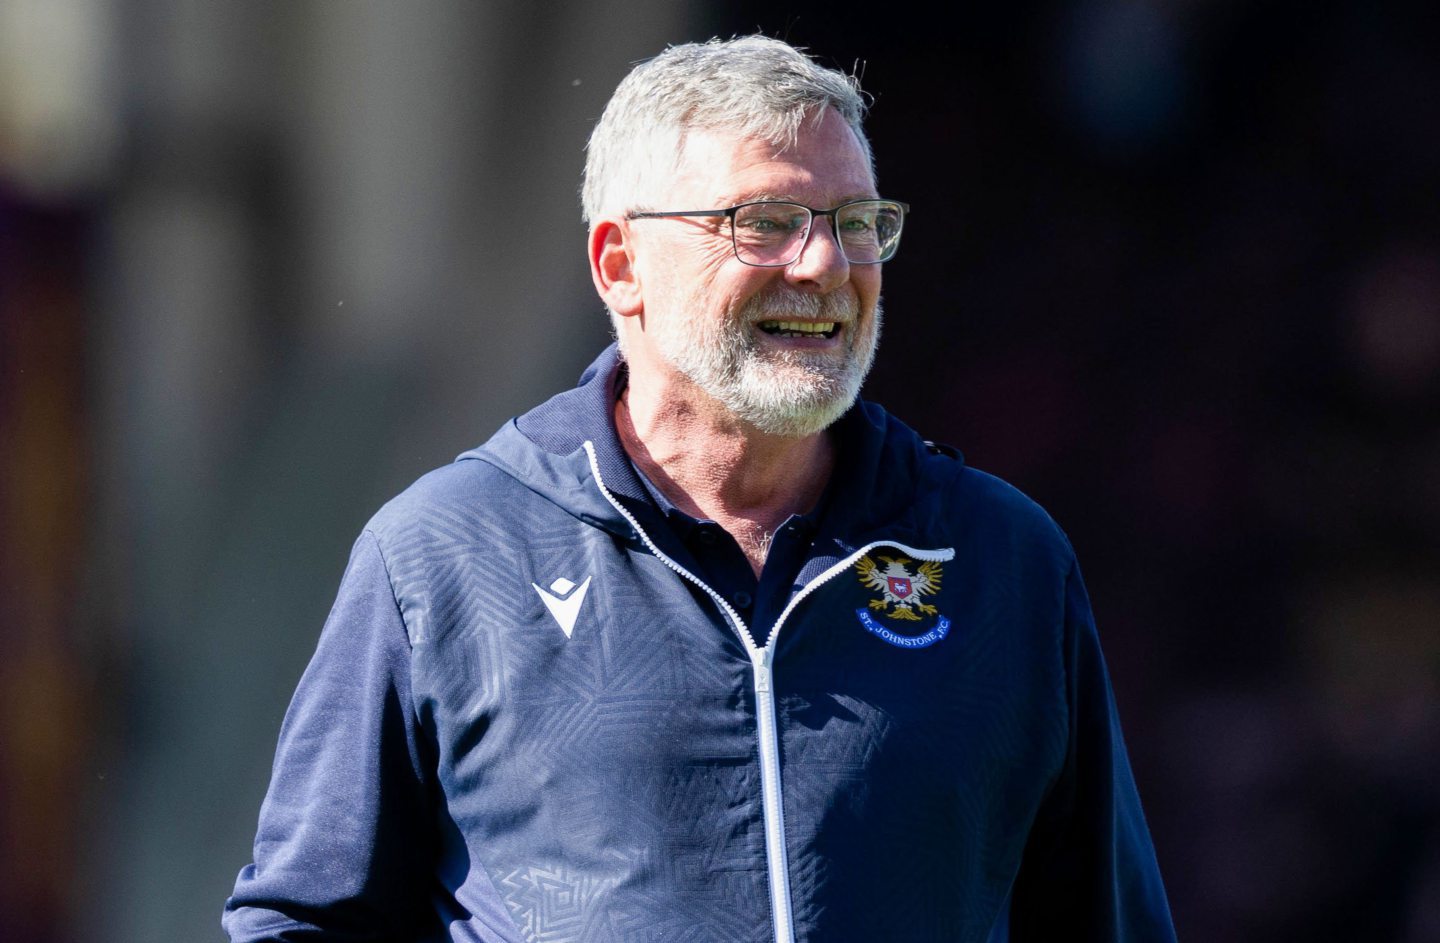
(1173, 269)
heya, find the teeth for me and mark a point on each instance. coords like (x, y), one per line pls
(799, 327)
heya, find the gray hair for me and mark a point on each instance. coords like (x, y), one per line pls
(755, 86)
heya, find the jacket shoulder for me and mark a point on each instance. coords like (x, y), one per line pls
(966, 503)
(980, 503)
(465, 490)
(438, 533)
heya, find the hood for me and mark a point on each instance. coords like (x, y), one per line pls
(885, 476)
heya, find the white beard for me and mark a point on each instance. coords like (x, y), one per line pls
(792, 393)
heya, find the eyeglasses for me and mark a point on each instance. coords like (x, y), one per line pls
(770, 233)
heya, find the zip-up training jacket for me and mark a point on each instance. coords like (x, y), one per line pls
(529, 720)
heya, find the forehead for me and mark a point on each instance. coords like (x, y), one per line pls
(824, 166)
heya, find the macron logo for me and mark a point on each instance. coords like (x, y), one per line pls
(565, 602)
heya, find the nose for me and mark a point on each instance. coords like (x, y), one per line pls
(821, 265)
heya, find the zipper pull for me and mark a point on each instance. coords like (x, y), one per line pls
(762, 674)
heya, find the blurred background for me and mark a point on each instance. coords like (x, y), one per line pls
(1173, 270)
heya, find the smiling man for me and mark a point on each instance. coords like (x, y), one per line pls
(705, 649)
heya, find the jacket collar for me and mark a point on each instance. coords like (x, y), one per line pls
(881, 464)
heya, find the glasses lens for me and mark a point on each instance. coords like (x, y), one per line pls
(869, 230)
(770, 233)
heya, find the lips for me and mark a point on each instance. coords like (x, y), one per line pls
(802, 315)
(799, 328)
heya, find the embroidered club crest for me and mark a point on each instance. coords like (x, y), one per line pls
(901, 591)
(899, 587)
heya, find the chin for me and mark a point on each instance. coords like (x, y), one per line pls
(793, 401)
(798, 425)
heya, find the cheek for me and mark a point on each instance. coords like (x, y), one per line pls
(866, 279)
(715, 264)
(692, 265)
(724, 285)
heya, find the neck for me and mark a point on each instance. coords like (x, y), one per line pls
(712, 466)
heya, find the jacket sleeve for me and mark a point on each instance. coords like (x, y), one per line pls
(345, 843)
(1089, 871)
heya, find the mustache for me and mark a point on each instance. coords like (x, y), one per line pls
(782, 305)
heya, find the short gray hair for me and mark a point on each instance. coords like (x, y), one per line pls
(755, 86)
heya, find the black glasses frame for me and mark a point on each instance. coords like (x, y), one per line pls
(730, 211)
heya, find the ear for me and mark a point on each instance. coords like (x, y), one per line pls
(612, 268)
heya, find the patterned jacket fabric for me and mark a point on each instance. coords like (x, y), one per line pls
(527, 720)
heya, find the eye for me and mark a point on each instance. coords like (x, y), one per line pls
(762, 219)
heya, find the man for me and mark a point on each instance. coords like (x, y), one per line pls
(702, 650)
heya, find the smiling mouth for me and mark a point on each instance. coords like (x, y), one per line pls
(799, 328)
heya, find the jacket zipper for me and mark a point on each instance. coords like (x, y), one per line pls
(762, 662)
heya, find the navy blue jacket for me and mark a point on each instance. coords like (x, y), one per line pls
(529, 719)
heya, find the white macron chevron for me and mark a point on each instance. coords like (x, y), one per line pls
(565, 602)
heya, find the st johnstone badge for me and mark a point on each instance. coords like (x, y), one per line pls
(900, 592)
